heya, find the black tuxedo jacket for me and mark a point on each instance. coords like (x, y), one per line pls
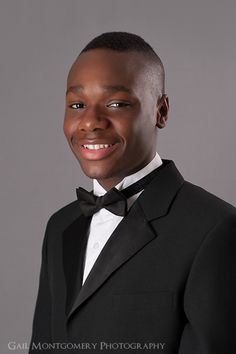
(166, 276)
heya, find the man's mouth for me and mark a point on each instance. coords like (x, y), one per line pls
(97, 151)
(97, 146)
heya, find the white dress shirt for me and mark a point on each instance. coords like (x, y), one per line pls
(103, 222)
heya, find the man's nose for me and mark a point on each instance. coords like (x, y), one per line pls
(93, 119)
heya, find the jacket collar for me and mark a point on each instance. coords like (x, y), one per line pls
(161, 190)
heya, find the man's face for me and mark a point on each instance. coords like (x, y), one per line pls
(110, 117)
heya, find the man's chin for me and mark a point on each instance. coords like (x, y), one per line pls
(96, 173)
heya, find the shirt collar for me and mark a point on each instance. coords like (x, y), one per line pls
(128, 180)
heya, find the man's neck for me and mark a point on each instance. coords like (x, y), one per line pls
(107, 184)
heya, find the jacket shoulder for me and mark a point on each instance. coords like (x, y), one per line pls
(199, 198)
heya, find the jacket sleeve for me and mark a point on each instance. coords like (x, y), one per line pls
(41, 329)
(210, 295)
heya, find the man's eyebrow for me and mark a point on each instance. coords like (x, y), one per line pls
(74, 89)
(109, 88)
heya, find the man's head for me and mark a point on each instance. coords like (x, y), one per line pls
(115, 96)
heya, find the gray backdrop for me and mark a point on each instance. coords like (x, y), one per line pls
(39, 174)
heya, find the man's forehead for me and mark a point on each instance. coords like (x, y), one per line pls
(112, 60)
(107, 88)
(112, 69)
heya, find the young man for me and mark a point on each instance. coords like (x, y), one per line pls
(150, 264)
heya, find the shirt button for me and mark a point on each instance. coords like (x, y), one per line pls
(96, 245)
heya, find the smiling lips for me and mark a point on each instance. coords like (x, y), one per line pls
(96, 151)
(97, 146)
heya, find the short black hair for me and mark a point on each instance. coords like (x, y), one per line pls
(121, 42)
(128, 42)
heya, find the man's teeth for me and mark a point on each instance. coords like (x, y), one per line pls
(97, 146)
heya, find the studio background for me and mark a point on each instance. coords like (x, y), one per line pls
(39, 40)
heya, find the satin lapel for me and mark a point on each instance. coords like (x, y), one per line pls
(74, 246)
(132, 234)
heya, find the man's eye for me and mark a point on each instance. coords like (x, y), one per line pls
(77, 105)
(118, 104)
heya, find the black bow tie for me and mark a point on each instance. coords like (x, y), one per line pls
(114, 200)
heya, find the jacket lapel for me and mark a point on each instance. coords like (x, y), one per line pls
(130, 236)
(160, 193)
(74, 247)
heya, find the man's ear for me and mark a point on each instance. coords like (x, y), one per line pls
(162, 111)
